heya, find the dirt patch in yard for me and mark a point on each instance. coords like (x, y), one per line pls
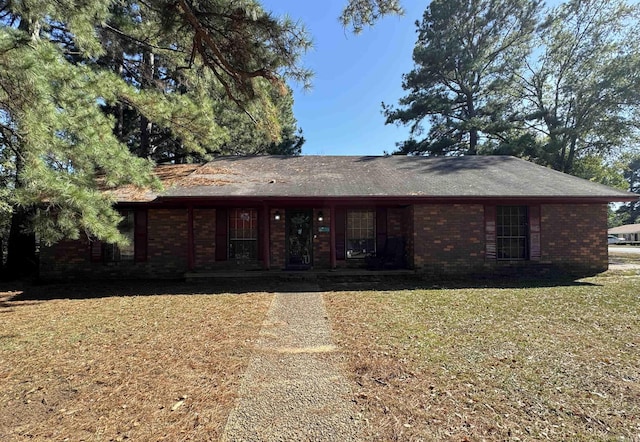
(620, 261)
(140, 362)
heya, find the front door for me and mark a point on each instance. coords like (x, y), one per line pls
(299, 245)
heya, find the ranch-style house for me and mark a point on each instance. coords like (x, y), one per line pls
(440, 216)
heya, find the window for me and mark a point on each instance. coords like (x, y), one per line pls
(133, 227)
(361, 238)
(512, 232)
(116, 253)
(243, 234)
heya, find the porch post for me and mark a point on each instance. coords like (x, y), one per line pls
(332, 236)
(190, 251)
(266, 237)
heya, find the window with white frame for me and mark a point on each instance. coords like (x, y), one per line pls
(360, 238)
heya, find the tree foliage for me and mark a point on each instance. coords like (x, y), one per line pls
(580, 96)
(566, 97)
(465, 57)
(629, 213)
(360, 13)
(74, 74)
(245, 53)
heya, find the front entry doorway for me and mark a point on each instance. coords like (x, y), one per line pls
(299, 244)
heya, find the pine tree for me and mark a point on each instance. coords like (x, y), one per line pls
(93, 93)
(360, 13)
(59, 149)
(154, 59)
(465, 57)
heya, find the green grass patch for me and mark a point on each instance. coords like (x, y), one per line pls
(561, 363)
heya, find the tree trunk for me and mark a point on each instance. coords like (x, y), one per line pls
(148, 70)
(120, 105)
(21, 247)
(473, 132)
(568, 166)
(562, 159)
(473, 142)
(145, 137)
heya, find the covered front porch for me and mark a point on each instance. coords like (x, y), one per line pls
(243, 237)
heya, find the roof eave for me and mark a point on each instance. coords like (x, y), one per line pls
(405, 199)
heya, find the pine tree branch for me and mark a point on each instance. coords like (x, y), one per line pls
(207, 41)
(137, 40)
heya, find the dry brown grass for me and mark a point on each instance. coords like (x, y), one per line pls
(154, 367)
(541, 363)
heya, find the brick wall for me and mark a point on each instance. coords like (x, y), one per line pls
(396, 222)
(573, 237)
(204, 239)
(277, 233)
(442, 239)
(167, 241)
(167, 253)
(71, 252)
(448, 238)
(410, 238)
(64, 257)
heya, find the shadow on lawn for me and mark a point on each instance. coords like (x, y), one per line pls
(102, 289)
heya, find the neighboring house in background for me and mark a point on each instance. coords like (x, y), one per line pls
(628, 232)
(445, 216)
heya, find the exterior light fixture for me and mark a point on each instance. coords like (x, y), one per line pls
(276, 215)
(320, 216)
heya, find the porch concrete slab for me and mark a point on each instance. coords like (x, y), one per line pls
(301, 275)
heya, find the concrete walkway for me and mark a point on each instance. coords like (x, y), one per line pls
(293, 389)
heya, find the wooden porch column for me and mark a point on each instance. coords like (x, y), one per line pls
(332, 236)
(266, 237)
(190, 251)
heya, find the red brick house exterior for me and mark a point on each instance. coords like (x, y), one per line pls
(436, 216)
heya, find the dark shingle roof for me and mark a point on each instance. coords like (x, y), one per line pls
(378, 176)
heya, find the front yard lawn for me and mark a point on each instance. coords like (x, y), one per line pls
(557, 363)
(154, 367)
(530, 363)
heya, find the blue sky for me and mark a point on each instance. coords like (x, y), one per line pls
(341, 114)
